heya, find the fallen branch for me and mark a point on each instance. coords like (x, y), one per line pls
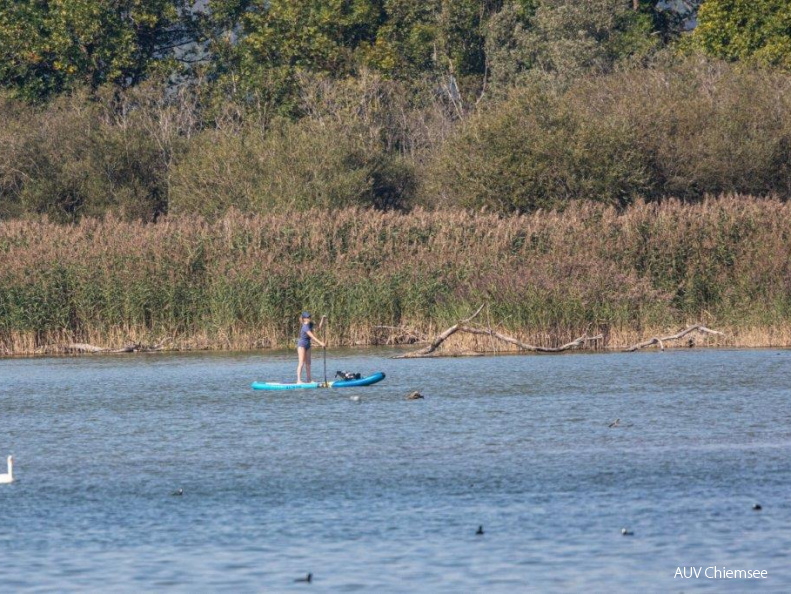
(438, 340)
(529, 347)
(429, 351)
(661, 341)
(139, 348)
(76, 347)
(82, 348)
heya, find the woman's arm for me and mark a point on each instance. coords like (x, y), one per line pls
(314, 337)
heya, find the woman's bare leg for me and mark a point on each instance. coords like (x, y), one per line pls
(301, 364)
(307, 363)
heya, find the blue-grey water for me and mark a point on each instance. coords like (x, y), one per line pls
(386, 495)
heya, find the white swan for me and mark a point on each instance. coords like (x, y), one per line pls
(8, 478)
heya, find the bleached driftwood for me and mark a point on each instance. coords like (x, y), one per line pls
(440, 338)
(530, 347)
(429, 351)
(679, 335)
(82, 348)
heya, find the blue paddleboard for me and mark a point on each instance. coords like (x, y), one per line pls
(353, 383)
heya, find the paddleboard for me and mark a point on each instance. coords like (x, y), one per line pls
(353, 383)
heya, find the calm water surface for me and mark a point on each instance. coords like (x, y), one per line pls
(385, 495)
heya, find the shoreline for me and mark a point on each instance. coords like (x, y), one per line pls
(401, 349)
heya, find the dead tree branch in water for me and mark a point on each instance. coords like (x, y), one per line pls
(661, 341)
(440, 338)
(523, 346)
(79, 348)
(429, 351)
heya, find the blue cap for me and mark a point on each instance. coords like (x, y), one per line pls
(305, 314)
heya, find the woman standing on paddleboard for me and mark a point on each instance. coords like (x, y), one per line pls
(303, 345)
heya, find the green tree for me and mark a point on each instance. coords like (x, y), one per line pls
(267, 44)
(406, 42)
(47, 47)
(507, 48)
(438, 35)
(758, 30)
(570, 38)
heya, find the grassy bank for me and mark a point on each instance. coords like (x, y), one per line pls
(240, 282)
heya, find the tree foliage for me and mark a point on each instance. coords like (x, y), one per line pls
(260, 47)
(433, 35)
(401, 39)
(512, 105)
(568, 38)
(758, 30)
(47, 47)
(281, 39)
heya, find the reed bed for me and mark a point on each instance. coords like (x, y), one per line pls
(241, 281)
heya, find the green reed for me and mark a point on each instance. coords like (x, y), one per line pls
(241, 281)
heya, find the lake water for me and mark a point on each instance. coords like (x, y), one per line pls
(386, 495)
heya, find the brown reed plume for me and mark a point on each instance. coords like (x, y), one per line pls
(239, 282)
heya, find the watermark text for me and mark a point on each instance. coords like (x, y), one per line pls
(720, 573)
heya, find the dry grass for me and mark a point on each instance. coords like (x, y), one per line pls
(240, 282)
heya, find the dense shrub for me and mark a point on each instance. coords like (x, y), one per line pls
(299, 165)
(537, 151)
(706, 127)
(145, 151)
(681, 131)
(80, 157)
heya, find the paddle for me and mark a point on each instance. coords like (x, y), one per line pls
(324, 348)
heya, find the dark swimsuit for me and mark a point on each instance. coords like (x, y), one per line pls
(304, 339)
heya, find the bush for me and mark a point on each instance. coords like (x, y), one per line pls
(74, 158)
(535, 150)
(706, 127)
(298, 165)
(683, 131)
(680, 130)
